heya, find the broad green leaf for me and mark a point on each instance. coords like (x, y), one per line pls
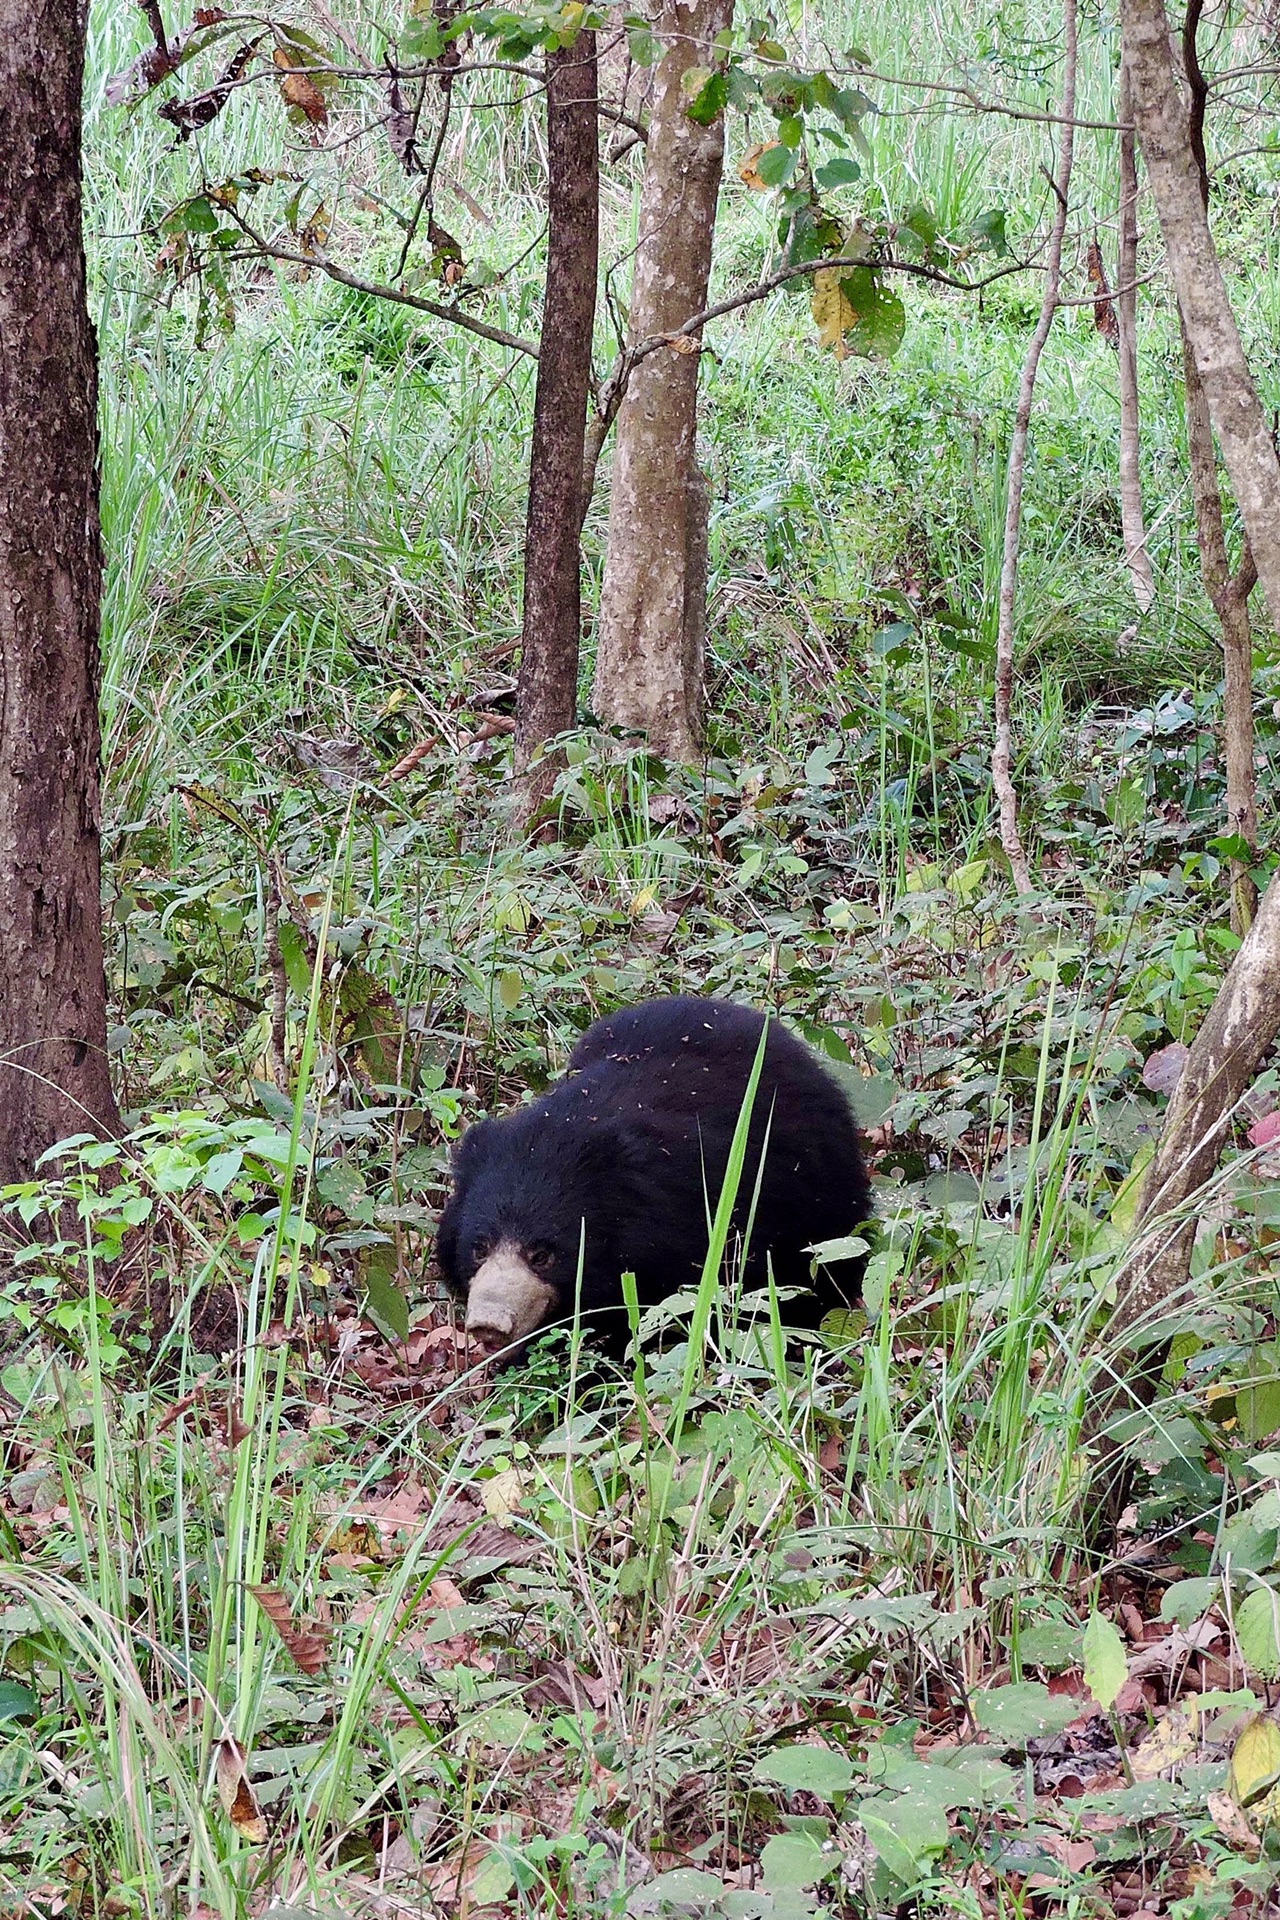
(510, 988)
(791, 1861)
(683, 1886)
(776, 165)
(1022, 1712)
(1051, 1644)
(1257, 1623)
(906, 1833)
(840, 172)
(17, 1702)
(1188, 1600)
(1106, 1666)
(221, 1169)
(817, 1770)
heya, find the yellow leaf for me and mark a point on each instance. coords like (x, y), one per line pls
(833, 314)
(1169, 1743)
(503, 1494)
(1255, 1763)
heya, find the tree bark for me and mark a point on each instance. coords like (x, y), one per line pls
(1002, 754)
(1132, 520)
(547, 684)
(1225, 1055)
(1244, 435)
(1228, 594)
(53, 1061)
(1245, 1017)
(649, 665)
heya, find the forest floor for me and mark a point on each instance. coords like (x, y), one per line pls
(303, 1608)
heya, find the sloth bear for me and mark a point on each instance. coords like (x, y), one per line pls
(624, 1159)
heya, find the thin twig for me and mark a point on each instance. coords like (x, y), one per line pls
(1002, 753)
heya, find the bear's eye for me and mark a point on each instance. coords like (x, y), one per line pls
(481, 1249)
(542, 1258)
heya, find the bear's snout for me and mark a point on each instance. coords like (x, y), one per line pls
(506, 1300)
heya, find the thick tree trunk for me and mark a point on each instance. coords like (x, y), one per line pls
(1006, 630)
(1132, 521)
(547, 688)
(1244, 434)
(53, 1062)
(649, 667)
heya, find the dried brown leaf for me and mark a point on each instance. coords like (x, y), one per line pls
(307, 1646)
(239, 1801)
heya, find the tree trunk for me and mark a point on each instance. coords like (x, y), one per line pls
(1228, 593)
(1244, 435)
(1002, 754)
(547, 687)
(1245, 1016)
(1225, 1055)
(1229, 596)
(53, 1061)
(1132, 521)
(649, 667)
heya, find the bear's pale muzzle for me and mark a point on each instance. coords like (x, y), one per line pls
(506, 1301)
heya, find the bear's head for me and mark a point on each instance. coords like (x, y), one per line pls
(526, 1232)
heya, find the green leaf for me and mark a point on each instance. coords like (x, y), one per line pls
(878, 318)
(1051, 1644)
(17, 1702)
(1022, 1712)
(1106, 1665)
(387, 1306)
(776, 165)
(297, 967)
(510, 987)
(817, 1770)
(840, 172)
(905, 1832)
(643, 46)
(342, 1186)
(1257, 1623)
(221, 1169)
(709, 102)
(791, 1861)
(989, 230)
(791, 130)
(683, 1886)
(1188, 1600)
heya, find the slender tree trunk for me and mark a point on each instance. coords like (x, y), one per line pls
(1002, 756)
(1244, 434)
(547, 686)
(1132, 521)
(1228, 593)
(649, 668)
(1229, 596)
(53, 1062)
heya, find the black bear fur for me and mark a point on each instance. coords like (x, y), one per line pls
(624, 1158)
